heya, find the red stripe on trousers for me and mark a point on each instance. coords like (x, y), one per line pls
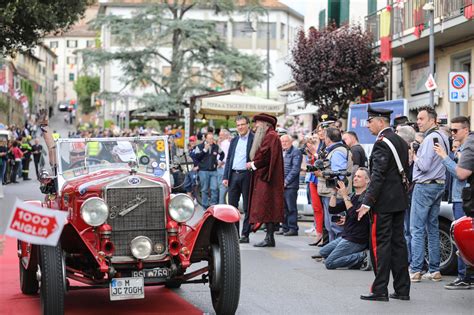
(317, 207)
(374, 243)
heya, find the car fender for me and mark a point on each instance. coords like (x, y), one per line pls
(462, 231)
(199, 236)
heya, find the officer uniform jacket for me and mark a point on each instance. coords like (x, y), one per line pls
(386, 193)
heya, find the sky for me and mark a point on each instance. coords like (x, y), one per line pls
(297, 5)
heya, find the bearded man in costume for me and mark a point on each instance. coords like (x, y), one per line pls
(266, 202)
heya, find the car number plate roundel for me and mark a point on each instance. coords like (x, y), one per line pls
(127, 288)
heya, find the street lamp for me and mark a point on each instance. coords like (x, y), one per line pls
(249, 29)
(430, 7)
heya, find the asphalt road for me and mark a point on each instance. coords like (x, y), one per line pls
(285, 280)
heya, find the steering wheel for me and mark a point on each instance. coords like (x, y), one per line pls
(80, 162)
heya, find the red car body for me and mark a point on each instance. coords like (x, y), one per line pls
(462, 231)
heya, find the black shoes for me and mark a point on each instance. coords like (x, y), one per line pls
(244, 240)
(317, 256)
(290, 233)
(265, 243)
(399, 297)
(316, 243)
(374, 297)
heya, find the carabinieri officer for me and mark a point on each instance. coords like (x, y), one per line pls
(387, 200)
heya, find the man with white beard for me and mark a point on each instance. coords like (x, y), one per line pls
(267, 185)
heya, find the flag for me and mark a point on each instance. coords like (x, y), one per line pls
(385, 36)
(34, 224)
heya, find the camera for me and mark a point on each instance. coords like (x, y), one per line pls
(415, 146)
(336, 218)
(332, 177)
(319, 165)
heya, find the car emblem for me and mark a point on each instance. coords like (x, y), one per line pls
(134, 180)
(127, 207)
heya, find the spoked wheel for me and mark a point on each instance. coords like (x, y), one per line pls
(224, 270)
(53, 280)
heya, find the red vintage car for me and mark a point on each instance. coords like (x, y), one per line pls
(126, 230)
(462, 231)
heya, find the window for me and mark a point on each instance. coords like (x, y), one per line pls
(90, 43)
(282, 31)
(53, 44)
(72, 43)
(241, 35)
(322, 19)
(262, 29)
(221, 29)
(55, 77)
(71, 60)
(71, 76)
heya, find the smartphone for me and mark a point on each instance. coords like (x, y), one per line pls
(336, 218)
(435, 141)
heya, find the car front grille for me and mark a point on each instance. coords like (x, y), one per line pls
(147, 219)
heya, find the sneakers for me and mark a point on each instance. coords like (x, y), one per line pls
(415, 277)
(458, 284)
(366, 263)
(435, 276)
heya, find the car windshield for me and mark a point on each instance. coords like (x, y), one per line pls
(78, 157)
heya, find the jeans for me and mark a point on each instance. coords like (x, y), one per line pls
(342, 253)
(458, 212)
(208, 180)
(3, 168)
(222, 188)
(290, 221)
(333, 229)
(425, 207)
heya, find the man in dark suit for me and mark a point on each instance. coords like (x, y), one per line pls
(387, 199)
(236, 176)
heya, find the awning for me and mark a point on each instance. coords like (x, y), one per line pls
(421, 100)
(309, 110)
(235, 104)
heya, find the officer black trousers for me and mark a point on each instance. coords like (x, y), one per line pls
(389, 253)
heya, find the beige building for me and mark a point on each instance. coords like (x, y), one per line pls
(69, 62)
(454, 52)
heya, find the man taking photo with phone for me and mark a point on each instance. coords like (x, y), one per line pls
(348, 250)
(429, 176)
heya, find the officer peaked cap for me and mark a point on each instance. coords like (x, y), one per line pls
(378, 112)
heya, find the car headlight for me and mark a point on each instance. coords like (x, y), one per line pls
(181, 208)
(94, 211)
(141, 247)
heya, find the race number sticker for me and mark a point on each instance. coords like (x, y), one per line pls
(160, 145)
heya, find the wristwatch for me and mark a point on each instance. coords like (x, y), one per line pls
(347, 198)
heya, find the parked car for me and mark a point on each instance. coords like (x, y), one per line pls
(448, 264)
(63, 106)
(126, 229)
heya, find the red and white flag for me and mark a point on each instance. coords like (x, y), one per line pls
(34, 224)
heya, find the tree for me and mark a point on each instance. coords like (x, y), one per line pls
(84, 87)
(161, 35)
(334, 66)
(24, 22)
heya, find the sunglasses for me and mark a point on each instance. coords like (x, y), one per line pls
(455, 131)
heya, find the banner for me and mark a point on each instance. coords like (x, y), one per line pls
(34, 224)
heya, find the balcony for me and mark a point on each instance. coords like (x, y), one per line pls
(410, 23)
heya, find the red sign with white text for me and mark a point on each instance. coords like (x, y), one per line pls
(33, 224)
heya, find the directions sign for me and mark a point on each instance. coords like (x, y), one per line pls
(458, 87)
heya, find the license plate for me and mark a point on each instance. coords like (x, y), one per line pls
(127, 288)
(152, 273)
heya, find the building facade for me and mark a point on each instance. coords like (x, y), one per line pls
(454, 52)
(69, 63)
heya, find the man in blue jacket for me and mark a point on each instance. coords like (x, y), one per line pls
(292, 158)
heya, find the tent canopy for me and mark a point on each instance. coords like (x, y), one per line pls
(309, 110)
(235, 104)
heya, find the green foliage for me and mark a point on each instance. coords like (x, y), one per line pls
(84, 87)
(4, 107)
(199, 56)
(24, 22)
(153, 124)
(108, 123)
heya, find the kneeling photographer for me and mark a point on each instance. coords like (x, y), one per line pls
(348, 250)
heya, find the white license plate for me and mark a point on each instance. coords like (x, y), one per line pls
(152, 273)
(127, 288)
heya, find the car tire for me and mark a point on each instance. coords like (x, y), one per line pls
(52, 284)
(28, 281)
(448, 257)
(224, 270)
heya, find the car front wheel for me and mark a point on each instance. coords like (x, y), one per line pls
(224, 270)
(52, 284)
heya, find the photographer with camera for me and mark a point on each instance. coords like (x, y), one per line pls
(348, 250)
(334, 164)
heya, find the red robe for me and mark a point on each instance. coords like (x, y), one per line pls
(266, 202)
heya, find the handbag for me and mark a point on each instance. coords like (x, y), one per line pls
(405, 181)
